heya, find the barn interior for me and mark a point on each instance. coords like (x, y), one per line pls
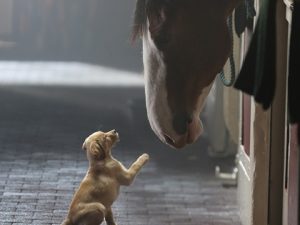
(68, 68)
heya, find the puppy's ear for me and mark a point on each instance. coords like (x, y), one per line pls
(96, 150)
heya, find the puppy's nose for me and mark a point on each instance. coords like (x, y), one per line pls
(114, 131)
(181, 122)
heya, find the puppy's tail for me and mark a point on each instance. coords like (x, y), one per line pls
(67, 222)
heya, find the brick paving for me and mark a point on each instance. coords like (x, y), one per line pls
(41, 162)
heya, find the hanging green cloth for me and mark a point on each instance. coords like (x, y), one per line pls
(257, 76)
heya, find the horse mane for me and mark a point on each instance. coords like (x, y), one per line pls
(140, 19)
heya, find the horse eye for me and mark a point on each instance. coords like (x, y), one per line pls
(162, 41)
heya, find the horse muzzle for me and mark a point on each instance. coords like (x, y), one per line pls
(187, 132)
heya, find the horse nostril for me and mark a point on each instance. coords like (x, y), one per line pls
(169, 140)
(180, 123)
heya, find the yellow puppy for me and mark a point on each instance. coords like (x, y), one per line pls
(100, 187)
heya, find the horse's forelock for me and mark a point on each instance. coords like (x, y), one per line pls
(140, 18)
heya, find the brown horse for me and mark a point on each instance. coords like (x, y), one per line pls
(185, 45)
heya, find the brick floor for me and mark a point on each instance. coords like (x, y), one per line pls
(41, 161)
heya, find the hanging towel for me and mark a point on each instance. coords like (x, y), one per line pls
(294, 69)
(258, 73)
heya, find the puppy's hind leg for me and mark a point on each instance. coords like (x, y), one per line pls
(90, 214)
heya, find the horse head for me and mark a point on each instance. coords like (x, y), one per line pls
(185, 45)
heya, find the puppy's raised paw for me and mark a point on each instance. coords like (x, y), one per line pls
(144, 158)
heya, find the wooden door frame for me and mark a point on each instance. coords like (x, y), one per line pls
(260, 187)
(291, 173)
